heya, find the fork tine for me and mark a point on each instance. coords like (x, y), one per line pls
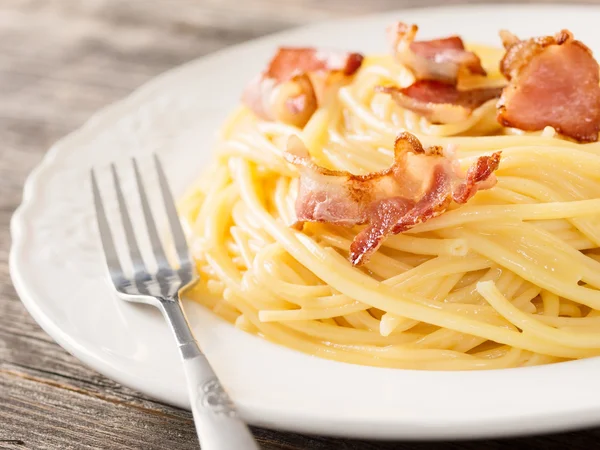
(157, 247)
(174, 222)
(134, 249)
(110, 252)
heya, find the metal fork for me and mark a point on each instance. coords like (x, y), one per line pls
(217, 423)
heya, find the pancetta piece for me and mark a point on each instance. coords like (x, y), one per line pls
(440, 102)
(297, 81)
(554, 81)
(439, 59)
(420, 184)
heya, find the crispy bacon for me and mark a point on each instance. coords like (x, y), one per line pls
(440, 102)
(439, 59)
(296, 81)
(420, 185)
(554, 81)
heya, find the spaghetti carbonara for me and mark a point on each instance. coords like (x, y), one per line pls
(511, 278)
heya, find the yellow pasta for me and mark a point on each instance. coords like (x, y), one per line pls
(510, 279)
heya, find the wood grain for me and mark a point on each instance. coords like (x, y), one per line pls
(60, 60)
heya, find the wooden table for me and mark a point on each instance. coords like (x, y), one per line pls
(60, 60)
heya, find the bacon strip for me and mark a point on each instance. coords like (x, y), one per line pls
(440, 102)
(296, 81)
(420, 185)
(554, 81)
(439, 59)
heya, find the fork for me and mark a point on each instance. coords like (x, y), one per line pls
(218, 424)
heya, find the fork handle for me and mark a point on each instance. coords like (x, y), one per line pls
(218, 424)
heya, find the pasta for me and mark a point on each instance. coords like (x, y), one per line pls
(510, 279)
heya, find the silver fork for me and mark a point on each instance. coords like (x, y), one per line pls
(217, 423)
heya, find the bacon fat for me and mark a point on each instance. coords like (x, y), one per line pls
(419, 185)
(297, 81)
(554, 81)
(440, 102)
(439, 59)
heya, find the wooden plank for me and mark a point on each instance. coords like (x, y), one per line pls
(60, 60)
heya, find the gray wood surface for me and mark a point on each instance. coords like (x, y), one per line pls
(60, 60)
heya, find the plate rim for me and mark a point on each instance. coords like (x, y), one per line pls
(19, 229)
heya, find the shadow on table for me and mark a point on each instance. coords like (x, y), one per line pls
(578, 440)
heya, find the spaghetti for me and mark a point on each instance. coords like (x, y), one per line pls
(510, 279)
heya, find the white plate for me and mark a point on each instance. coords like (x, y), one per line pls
(57, 265)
